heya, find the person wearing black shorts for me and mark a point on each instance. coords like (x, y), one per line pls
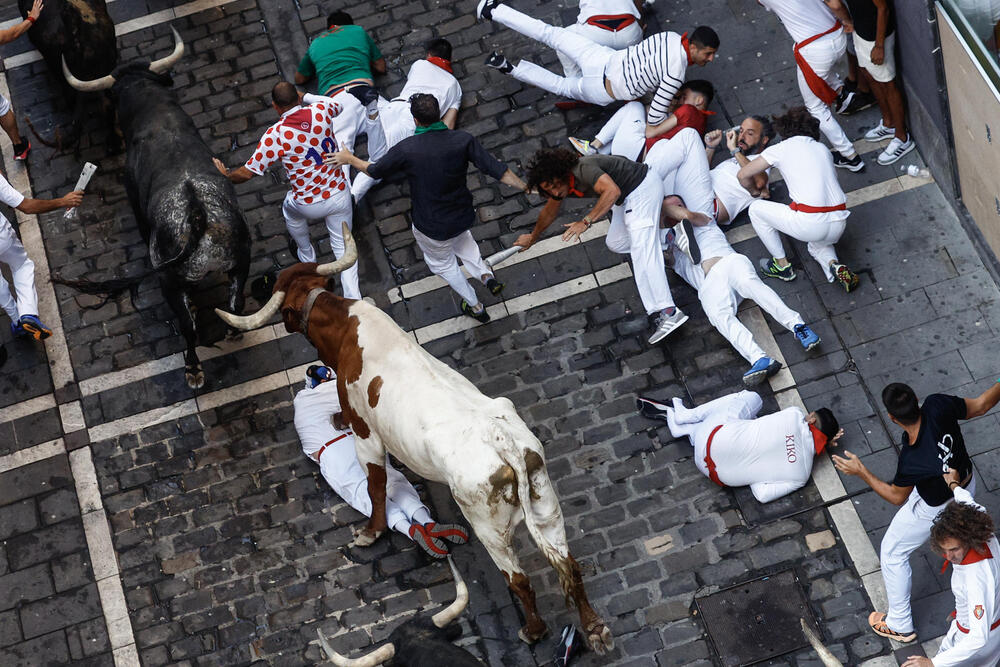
(932, 443)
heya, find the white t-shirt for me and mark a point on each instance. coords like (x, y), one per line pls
(807, 167)
(298, 140)
(801, 18)
(733, 196)
(314, 409)
(426, 77)
(13, 198)
(590, 8)
(773, 455)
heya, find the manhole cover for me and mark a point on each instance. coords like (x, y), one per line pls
(756, 513)
(757, 620)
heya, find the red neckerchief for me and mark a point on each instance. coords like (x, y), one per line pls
(973, 556)
(819, 438)
(686, 45)
(331, 29)
(440, 62)
(572, 189)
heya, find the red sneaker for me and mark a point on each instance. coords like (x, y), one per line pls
(431, 545)
(21, 150)
(447, 531)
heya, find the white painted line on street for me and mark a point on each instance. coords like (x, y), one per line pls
(241, 391)
(28, 407)
(135, 423)
(125, 27)
(71, 415)
(88, 492)
(24, 457)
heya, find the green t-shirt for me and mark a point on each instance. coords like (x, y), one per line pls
(339, 55)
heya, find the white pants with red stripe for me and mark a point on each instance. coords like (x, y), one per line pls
(907, 532)
(819, 230)
(731, 280)
(334, 211)
(698, 423)
(341, 470)
(591, 58)
(625, 132)
(823, 56)
(616, 40)
(442, 258)
(634, 231)
(22, 271)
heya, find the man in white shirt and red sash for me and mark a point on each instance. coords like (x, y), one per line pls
(963, 534)
(818, 212)
(773, 454)
(610, 23)
(817, 26)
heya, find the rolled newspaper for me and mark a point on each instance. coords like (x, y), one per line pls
(81, 184)
(502, 256)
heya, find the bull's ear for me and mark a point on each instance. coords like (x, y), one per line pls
(291, 319)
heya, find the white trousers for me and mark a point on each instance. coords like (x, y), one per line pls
(442, 258)
(698, 423)
(633, 231)
(731, 280)
(908, 530)
(625, 132)
(590, 58)
(683, 165)
(823, 56)
(341, 470)
(334, 211)
(613, 40)
(819, 230)
(22, 271)
(397, 124)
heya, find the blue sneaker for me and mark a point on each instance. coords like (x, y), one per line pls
(806, 336)
(33, 326)
(16, 331)
(770, 269)
(762, 369)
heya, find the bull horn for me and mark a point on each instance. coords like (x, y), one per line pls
(376, 657)
(163, 64)
(102, 83)
(345, 262)
(452, 611)
(825, 656)
(258, 319)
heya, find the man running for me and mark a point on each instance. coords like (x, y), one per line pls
(773, 454)
(434, 161)
(818, 212)
(817, 27)
(932, 443)
(655, 65)
(330, 443)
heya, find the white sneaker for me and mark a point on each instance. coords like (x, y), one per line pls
(582, 146)
(879, 132)
(895, 150)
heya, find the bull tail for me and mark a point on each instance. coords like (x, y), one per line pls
(198, 219)
(542, 515)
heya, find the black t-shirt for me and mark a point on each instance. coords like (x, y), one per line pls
(436, 163)
(865, 17)
(939, 446)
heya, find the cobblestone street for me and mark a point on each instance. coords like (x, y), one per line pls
(143, 522)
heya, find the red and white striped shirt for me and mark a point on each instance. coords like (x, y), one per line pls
(298, 140)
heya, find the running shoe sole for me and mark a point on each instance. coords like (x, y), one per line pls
(690, 245)
(659, 335)
(447, 531)
(757, 377)
(876, 621)
(35, 331)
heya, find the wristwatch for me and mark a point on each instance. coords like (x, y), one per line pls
(587, 221)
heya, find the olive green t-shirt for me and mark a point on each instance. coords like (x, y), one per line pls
(626, 174)
(341, 54)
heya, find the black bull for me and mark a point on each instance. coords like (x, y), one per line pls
(185, 209)
(82, 32)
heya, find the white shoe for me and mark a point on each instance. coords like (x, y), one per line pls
(879, 132)
(895, 150)
(582, 146)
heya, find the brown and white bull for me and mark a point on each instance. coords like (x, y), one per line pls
(400, 399)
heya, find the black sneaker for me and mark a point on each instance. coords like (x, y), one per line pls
(484, 10)
(494, 286)
(21, 150)
(496, 60)
(854, 164)
(481, 316)
(570, 645)
(844, 97)
(857, 102)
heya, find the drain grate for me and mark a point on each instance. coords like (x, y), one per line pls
(757, 620)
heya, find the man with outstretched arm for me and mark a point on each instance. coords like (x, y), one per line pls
(931, 444)
(330, 443)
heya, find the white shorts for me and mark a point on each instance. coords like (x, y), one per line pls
(4, 105)
(885, 72)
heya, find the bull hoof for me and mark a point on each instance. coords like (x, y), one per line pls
(195, 377)
(530, 635)
(366, 538)
(599, 638)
